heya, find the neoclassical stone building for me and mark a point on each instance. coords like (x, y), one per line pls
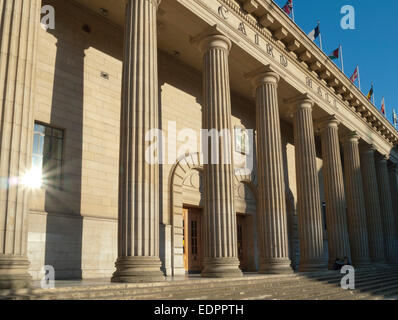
(76, 104)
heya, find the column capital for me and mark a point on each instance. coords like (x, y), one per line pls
(382, 157)
(217, 41)
(155, 2)
(263, 75)
(211, 38)
(367, 148)
(328, 122)
(302, 101)
(351, 137)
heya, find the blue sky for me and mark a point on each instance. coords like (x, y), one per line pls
(373, 45)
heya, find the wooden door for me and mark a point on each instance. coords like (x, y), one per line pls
(242, 244)
(192, 219)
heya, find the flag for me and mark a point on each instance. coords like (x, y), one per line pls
(383, 107)
(314, 33)
(395, 118)
(370, 94)
(288, 7)
(335, 55)
(354, 77)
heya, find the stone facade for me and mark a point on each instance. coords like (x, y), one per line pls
(324, 178)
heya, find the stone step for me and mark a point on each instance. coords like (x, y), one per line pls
(288, 292)
(367, 290)
(160, 286)
(309, 290)
(171, 293)
(185, 290)
(320, 285)
(358, 276)
(153, 289)
(366, 280)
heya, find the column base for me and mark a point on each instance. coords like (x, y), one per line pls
(221, 268)
(312, 266)
(275, 266)
(14, 272)
(138, 269)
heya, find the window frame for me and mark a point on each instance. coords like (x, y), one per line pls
(46, 186)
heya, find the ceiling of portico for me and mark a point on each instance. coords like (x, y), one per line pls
(115, 9)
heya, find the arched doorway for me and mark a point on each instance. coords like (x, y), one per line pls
(187, 196)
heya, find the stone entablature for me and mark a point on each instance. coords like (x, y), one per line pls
(266, 27)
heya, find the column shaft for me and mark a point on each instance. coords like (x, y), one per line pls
(18, 42)
(308, 196)
(387, 215)
(393, 174)
(336, 219)
(219, 223)
(272, 200)
(372, 204)
(356, 212)
(138, 245)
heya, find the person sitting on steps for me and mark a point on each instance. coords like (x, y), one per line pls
(338, 264)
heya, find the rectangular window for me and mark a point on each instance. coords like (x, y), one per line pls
(47, 155)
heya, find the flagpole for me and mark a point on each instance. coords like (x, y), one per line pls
(359, 79)
(341, 58)
(320, 35)
(293, 11)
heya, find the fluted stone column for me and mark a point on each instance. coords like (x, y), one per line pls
(18, 42)
(138, 233)
(336, 219)
(372, 204)
(219, 220)
(308, 196)
(387, 214)
(356, 212)
(271, 200)
(393, 175)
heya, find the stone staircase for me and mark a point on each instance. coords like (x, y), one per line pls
(371, 284)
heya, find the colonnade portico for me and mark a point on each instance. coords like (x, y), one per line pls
(347, 229)
(361, 195)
